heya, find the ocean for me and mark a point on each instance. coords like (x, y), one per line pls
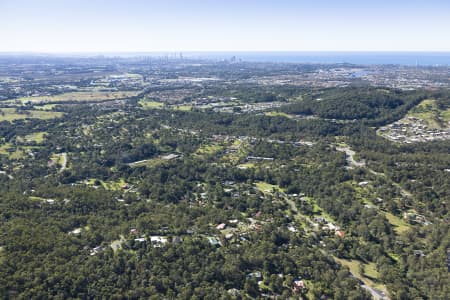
(360, 58)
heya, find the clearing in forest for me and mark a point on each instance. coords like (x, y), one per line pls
(91, 96)
(11, 114)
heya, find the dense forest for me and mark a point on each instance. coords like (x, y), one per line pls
(116, 201)
(374, 106)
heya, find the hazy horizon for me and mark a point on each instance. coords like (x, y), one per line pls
(408, 58)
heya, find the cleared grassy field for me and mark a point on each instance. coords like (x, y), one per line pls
(78, 96)
(183, 107)
(208, 149)
(13, 152)
(445, 115)
(59, 158)
(4, 148)
(428, 111)
(148, 104)
(267, 187)
(369, 274)
(400, 226)
(37, 137)
(246, 166)
(108, 185)
(277, 114)
(316, 208)
(44, 107)
(11, 114)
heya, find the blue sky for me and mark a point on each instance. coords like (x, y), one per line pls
(225, 25)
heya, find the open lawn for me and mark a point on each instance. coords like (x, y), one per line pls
(208, 149)
(13, 152)
(426, 105)
(44, 107)
(445, 115)
(37, 137)
(148, 104)
(399, 225)
(11, 114)
(277, 114)
(182, 107)
(393, 256)
(246, 166)
(107, 185)
(4, 148)
(58, 158)
(370, 270)
(267, 187)
(316, 208)
(78, 96)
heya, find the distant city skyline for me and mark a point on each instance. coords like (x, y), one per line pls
(52, 26)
